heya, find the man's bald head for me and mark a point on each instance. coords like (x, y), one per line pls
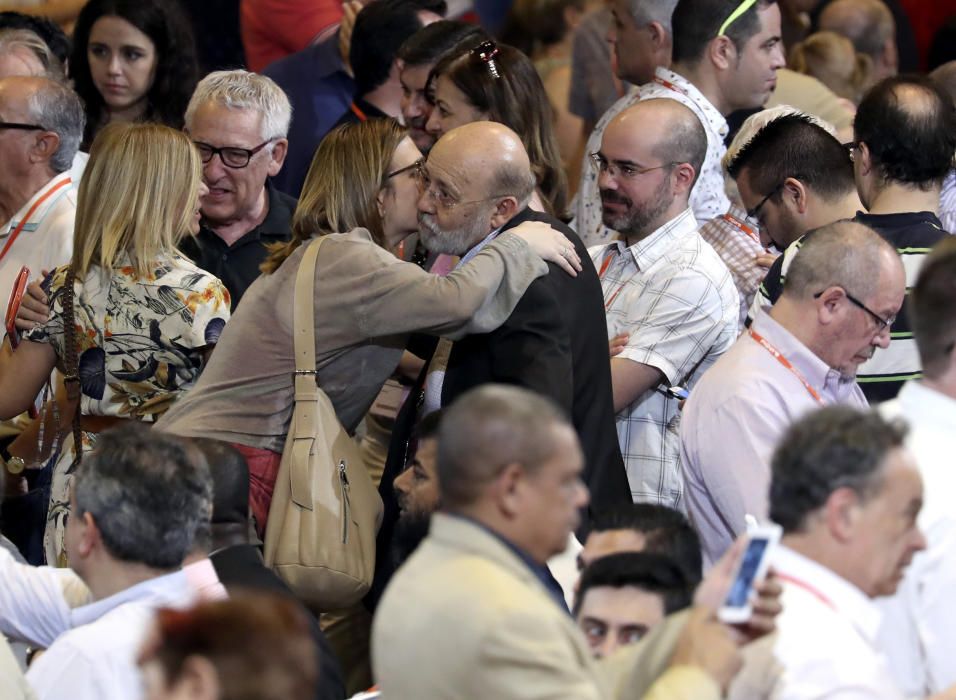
(489, 154)
(869, 25)
(673, 131)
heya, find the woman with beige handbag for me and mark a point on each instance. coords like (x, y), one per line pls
(364, 182)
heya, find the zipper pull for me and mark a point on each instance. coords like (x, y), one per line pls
(342, 473)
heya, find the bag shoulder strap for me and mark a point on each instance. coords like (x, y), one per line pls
(303, 323)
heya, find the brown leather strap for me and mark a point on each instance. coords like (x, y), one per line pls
(99, 424)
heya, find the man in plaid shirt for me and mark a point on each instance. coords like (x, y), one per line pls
(664, 287)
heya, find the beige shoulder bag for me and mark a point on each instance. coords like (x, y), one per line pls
(325, 511)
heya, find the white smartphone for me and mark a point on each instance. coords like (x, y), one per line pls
(761, 541)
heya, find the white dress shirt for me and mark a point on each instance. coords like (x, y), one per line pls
(675, 298)
(92, 648)
(825, 645)
(919, 626)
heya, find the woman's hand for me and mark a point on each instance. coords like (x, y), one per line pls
(34, 309)
(551, 245)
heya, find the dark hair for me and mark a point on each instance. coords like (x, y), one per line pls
(261, 646)
(176, 69)
(793, 146)
(931, 307)
(230, 488)
(696, 23)
(909, 127)
(430, 44)
(147, 491)
(428, 426)
(654, 573)
(517, 99)
(832, 448)
(380, 30)
(531, 25)
(48, 30)
(665, 530)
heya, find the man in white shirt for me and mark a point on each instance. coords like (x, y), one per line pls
(664, 287)
(41, 124)
(800, 355)
(726, 54)
(136, 504)
(847, 494)
(919, 626)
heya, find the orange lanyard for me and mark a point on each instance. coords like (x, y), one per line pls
(786, 363)
(358, 113)
(36, 205)
(737, 223)
(610, 300)
(669, 85)
(808, 588)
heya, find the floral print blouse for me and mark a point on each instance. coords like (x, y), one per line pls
(140, 340)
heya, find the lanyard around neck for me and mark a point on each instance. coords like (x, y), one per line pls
(778, 356)
(36, 205)
(608, 301)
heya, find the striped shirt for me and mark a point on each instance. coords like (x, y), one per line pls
(947, 203)
(913, 234)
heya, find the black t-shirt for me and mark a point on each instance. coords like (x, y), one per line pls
(237, 265)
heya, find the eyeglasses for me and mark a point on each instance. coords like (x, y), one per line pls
(735, 15)
(486, 52)
(231, 156)
(442, 198)
(754, 214)
(624, 170)
(22, 127)
(415, 169)
(881, 323)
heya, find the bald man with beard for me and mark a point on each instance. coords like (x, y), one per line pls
(477, 183)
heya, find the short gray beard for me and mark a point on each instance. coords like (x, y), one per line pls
(457, 242)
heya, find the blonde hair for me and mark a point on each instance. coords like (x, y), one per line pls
(13, 39)
(831, 58)
(340, 193)
(138, 196)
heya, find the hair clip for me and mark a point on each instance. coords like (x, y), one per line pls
(486, 51)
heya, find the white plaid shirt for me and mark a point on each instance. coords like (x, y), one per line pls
(708, 198)
(675, 297)
(737, 242)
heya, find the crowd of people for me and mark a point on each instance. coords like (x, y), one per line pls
(598, 289)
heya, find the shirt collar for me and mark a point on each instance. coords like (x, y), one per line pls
(275, 225)
(817, 372)
(832, 589)
(42, 210)
(478, 247)
(169, 589)
(714, 117)
(662, 241)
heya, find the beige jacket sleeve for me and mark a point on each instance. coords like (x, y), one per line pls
(13, 686)
(399, 297)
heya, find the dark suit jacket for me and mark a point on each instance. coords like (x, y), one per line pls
(240, 567)
(555, 343)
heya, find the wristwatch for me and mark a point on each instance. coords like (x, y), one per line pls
(14, 465)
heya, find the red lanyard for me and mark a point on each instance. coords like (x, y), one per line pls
(786, 363)
(610, 300)
(808, 588)
(737, 223)
(36, 205)
(669, 85)
(358, 113)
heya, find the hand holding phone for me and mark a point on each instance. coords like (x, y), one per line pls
(13, 305)
(761, 541)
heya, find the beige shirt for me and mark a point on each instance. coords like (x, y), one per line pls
(366, 304)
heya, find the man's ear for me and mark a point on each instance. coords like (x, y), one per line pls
(722, 53)
(683, 177)
(841, 512)
(46, 145)
(505, 210)
(863, 158)
(828, 305)
(507, 489)
(198, 678)
(89, 536)
(279, 150)
(794, 195)
(659, 36)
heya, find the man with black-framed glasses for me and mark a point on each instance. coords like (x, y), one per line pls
(843, 292)
(239, 122)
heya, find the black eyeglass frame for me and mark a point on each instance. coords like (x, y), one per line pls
(248, 153)
(22, 127)
(881, 323)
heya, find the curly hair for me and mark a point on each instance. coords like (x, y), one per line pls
(176, 68)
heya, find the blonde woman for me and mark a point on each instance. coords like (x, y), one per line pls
(145, 317)
(361, 192)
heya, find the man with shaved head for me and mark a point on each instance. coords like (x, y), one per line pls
(870, 26)
(668, 296)
(477, 183)
(844, 288)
